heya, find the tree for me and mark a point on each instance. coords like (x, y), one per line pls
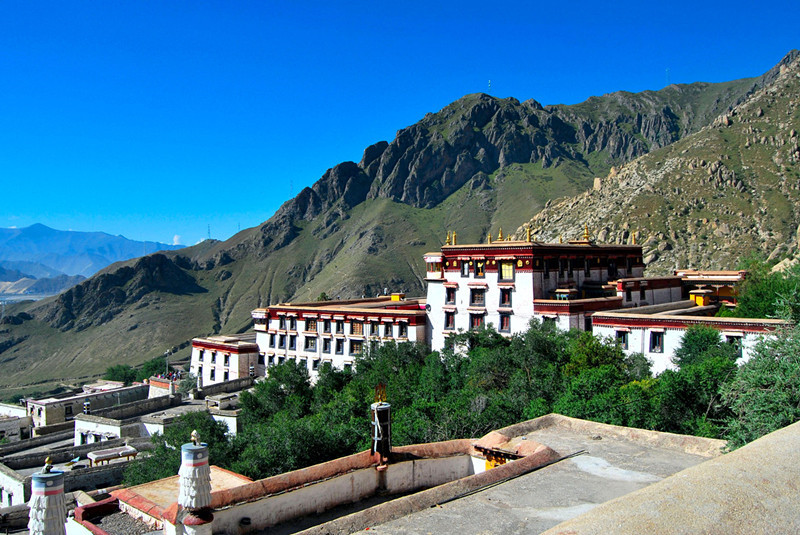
(700, 342)
(120, 372)
(765, 395)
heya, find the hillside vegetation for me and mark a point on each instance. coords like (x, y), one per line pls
(478, 164)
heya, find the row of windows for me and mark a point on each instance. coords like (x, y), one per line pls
(477, 297)
(213, 354)
(356, 327)
(274, 360)
(476, 321)
(310, 343)
(657, 341)
(505, 271)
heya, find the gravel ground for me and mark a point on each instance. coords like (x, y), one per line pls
(122, 524)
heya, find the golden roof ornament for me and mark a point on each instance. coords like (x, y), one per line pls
(454, 238)
(500, 234)
(195, 437)
(489, 238)
(508, 238)
(633, 242)
(560, 239)
(447, 241)
(586, 232)
(528, 234)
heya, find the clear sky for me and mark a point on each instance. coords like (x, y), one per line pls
(157, 119)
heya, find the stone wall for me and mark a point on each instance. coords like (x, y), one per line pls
(233, 385)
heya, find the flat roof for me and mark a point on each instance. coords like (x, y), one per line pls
(615, 461)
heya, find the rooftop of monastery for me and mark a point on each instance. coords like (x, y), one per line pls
(597, 463)
(395, 303)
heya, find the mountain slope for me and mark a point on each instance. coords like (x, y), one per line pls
(71, 252)
(727, 191)
(478, 164)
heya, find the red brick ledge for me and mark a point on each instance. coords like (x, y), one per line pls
(85, 513)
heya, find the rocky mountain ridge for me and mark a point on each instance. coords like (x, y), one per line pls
(706, 201)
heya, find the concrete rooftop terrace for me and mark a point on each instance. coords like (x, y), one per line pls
(611, 462)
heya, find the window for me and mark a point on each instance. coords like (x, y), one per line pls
(326, 326)
(282, 341)
(357, 328)
(348, 366)
(310, 343)
(68, 410)
(628, 296)
(326, 345)
(271, 360)
(477, 297)
(339, 347)
(282, 323)
(261, 358)
(505, 323)
(549, 321)
(622, 339)
(227, 360)
(656, 342)
(546, 270)
(475, 321)
(311, 325)
(213, 357)
(355, 347)
(735, 341)
(271, 340)
(293, 342)
(449, 320)
(281, 360)
(560, 268)
(402, 329)
(315, 364)
(292, 324)
(302, 363)
(479, 269)
(449, 296)
(388, 330)
(642, 293)
(225, 376)
(506, 271)
(586, 270)
(505, 297)
(569, 268)
(339, 327)
(213, 374)
(373, 328)
(612, 270)
(464, 268)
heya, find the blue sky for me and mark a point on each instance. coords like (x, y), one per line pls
(158, 119)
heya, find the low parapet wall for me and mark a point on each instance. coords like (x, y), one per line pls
(233, 385)
(705, 447)
(19, 462)
(53, 428)
(137, 408)
(35, 442)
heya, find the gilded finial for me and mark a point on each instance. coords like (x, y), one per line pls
(489, 238)
(528, 234)
(508, 238)
(560, 239)
(633, 242)
(586, 232)
(447, 241)
(454, 238)
(500, 234)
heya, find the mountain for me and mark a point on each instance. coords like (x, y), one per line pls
(730, 190)
(69, 252)
(478, 164)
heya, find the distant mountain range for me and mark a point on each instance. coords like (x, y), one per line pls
(478, 164)
(42, 251)
(43, 261)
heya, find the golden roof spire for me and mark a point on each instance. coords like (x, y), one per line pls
(528, 234)
(586, 232)
(500, 235)
(489, 237)
(560, 239)
(447, 241)
(634, 239)
(454, 238)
